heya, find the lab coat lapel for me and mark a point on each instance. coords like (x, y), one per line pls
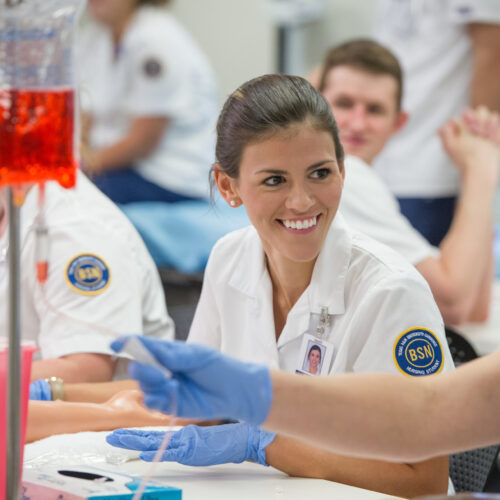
(252, 280)
(327, 283)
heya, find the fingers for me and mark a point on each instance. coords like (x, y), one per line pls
(483, 122)
(170, 455)
(146, 441)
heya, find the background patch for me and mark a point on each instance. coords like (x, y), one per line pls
(417, 352)
(88, 274)
(152, 67)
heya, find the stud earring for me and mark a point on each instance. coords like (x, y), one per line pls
(232, 203)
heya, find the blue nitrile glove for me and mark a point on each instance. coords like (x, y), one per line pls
(204, 384)
(194, 445)
(40, 390)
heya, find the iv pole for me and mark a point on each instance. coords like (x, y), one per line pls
(13, 407)
(13, 472)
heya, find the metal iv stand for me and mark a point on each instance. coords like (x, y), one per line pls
(13, 472)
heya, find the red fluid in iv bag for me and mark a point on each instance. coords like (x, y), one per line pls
(36, 136)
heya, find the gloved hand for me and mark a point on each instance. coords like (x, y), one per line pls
(40, 390)
(194, 445)
(204, 383)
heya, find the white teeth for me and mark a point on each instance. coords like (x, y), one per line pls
(300, 224)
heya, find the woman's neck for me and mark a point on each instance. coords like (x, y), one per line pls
(289, 280)
(119, 25)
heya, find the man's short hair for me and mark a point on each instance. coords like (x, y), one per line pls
(365, 55)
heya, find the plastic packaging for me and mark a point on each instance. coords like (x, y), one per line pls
(26, 356)
(38, 110)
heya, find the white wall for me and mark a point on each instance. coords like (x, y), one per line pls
(241, 41)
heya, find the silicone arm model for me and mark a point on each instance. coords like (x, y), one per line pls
(458, 276)
(125, 409)
(375, 416)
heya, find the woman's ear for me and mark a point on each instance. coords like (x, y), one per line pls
(226, 186)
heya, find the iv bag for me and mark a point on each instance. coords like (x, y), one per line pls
(38, 109)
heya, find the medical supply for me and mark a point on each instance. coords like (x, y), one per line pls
(136, 349)
(199, 446)
(40, 390)
(37, 98)
(209, 379)
(86, 483)
(26, 355)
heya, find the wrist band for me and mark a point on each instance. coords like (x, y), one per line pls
(56, 387)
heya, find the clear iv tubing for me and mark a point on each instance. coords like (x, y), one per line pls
(42, 265)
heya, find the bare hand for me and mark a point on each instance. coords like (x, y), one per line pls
(473, 143)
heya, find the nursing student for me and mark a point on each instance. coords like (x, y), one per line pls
(300, 277)
(363, 83)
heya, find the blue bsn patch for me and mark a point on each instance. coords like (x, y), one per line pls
(417, 352)
(87, 274)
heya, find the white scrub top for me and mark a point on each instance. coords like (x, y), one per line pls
(430, 39)
(100, 273)
(158, 70)
(383, 311)
(368, 206)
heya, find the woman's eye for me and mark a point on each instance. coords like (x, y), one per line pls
(273, 180)
(321, 173)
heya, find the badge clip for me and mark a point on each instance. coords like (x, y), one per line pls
(320, 323)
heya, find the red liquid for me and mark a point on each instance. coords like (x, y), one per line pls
(36, 136)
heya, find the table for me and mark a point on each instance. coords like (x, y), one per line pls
(485, 337)
(247, 481)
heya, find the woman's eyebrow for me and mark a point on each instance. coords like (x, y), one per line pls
(275, 171)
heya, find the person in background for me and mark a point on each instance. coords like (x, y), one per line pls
(450, 54)
(362, 81)
(299, 276)
(100, 282)
(149, 103)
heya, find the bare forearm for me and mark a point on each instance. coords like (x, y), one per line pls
(486, 67)
(75, 368)
(141, 141)
(457, 276)
(480, 309)
(303, 460)
(46, 418)
(96, 392)
(368, 415)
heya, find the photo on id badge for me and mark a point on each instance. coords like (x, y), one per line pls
(315, 356)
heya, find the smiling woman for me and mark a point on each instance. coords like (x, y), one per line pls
(299, 277)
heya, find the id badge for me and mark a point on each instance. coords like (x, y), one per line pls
(315, 356)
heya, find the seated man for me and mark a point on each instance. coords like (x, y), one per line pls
(362, 81)
(101, 282)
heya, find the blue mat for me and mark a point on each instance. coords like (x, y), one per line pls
(181, 235)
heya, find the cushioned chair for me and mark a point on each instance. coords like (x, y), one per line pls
(470, 470)
(461, 350)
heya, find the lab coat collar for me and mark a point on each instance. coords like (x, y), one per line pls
(328, 280)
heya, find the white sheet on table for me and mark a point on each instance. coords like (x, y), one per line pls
(81, 448)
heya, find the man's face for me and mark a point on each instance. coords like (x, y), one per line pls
(365, 108)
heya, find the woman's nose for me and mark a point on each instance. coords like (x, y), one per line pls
(300, 199)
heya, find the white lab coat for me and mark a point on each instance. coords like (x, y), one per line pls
(369, 207)
(159, 71)
(128, 299)
(373, 294)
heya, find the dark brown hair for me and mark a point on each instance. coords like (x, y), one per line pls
(265, 106)
(365, 55)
